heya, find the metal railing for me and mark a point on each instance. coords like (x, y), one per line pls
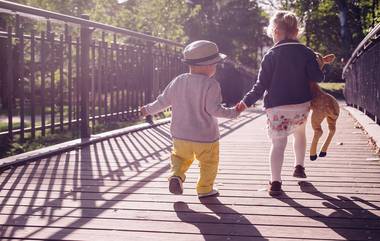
(67, 73)
(362, 76)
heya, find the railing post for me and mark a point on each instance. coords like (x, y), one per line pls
(10, 81)
(85, 36)
(149, 61)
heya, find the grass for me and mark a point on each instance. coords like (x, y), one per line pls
(16, 125)
(334, 89)
(8, 148)
(3, 126)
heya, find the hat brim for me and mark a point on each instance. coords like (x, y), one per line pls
(215, 60)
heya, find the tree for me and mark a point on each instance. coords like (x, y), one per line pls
(237, 26)
(161, 18)
(333, 26)
(69, 7)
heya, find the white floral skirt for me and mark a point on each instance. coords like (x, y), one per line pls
(283, 120)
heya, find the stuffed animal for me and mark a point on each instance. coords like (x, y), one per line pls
(323, 106)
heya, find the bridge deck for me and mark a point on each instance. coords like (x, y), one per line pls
(117, 190)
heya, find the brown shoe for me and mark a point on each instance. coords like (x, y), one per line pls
(175, 185)
(299, 171)
(274, 188)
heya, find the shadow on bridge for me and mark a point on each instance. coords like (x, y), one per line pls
(222, 221)
(347, 214)
(90, 188)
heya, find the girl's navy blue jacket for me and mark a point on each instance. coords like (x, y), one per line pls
(284, 76)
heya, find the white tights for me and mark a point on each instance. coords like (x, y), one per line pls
(278, 149)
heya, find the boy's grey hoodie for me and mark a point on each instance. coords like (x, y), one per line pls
(196, 102)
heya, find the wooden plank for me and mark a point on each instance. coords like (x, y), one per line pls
(10, 216)
(228, 168)
(14, 183)
(118, 189)
(119, 201)
(68, 234)
(161, 195)
(231, 230)
(224, 172)
(193, 175)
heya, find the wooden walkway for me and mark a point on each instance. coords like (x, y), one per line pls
(117, 190)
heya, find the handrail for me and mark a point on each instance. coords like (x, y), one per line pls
(373, 34)
(69, 81)
(362, 75)
(87, 23)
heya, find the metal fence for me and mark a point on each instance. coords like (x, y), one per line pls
(65, 73)
(362, 76)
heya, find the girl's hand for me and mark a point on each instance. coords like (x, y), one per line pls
(240, 107)
(143, 111)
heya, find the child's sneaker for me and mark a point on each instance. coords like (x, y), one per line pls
(175, 185)
(274, 188)
(299, 171)
(213, 192)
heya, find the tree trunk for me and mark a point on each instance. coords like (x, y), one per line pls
(345, 32)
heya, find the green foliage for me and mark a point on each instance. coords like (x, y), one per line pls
(8, 148)
(334, 89)
(69, 7)
(162, 18)
(325, 31)
(237, 26)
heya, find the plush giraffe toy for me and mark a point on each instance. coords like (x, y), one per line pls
(323, 106)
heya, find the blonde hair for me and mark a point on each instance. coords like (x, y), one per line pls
(285, 21)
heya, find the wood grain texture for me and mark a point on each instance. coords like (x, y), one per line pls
(117, 190)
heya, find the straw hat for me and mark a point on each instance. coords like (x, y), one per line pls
(202, 52)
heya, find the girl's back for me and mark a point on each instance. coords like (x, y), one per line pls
(291, 66)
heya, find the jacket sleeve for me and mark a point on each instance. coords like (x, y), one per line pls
(214, 103)
(262, 83)
(162, 102)
(313, 72)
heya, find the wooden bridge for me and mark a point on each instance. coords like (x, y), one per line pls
(113, 186)
(117, 190)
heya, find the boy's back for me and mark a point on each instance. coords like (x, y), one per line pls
(195, 101)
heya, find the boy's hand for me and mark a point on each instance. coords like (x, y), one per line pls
(143, 111)
(240, 107)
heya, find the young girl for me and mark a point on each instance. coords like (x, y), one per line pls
(284, 76)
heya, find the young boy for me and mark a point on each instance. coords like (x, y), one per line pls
(195, 98)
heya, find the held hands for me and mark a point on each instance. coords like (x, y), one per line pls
(240, 107)
(148, 117)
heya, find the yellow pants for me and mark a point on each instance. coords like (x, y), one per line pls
(185, 152)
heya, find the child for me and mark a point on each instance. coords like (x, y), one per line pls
(284, 76)
(195, 98)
